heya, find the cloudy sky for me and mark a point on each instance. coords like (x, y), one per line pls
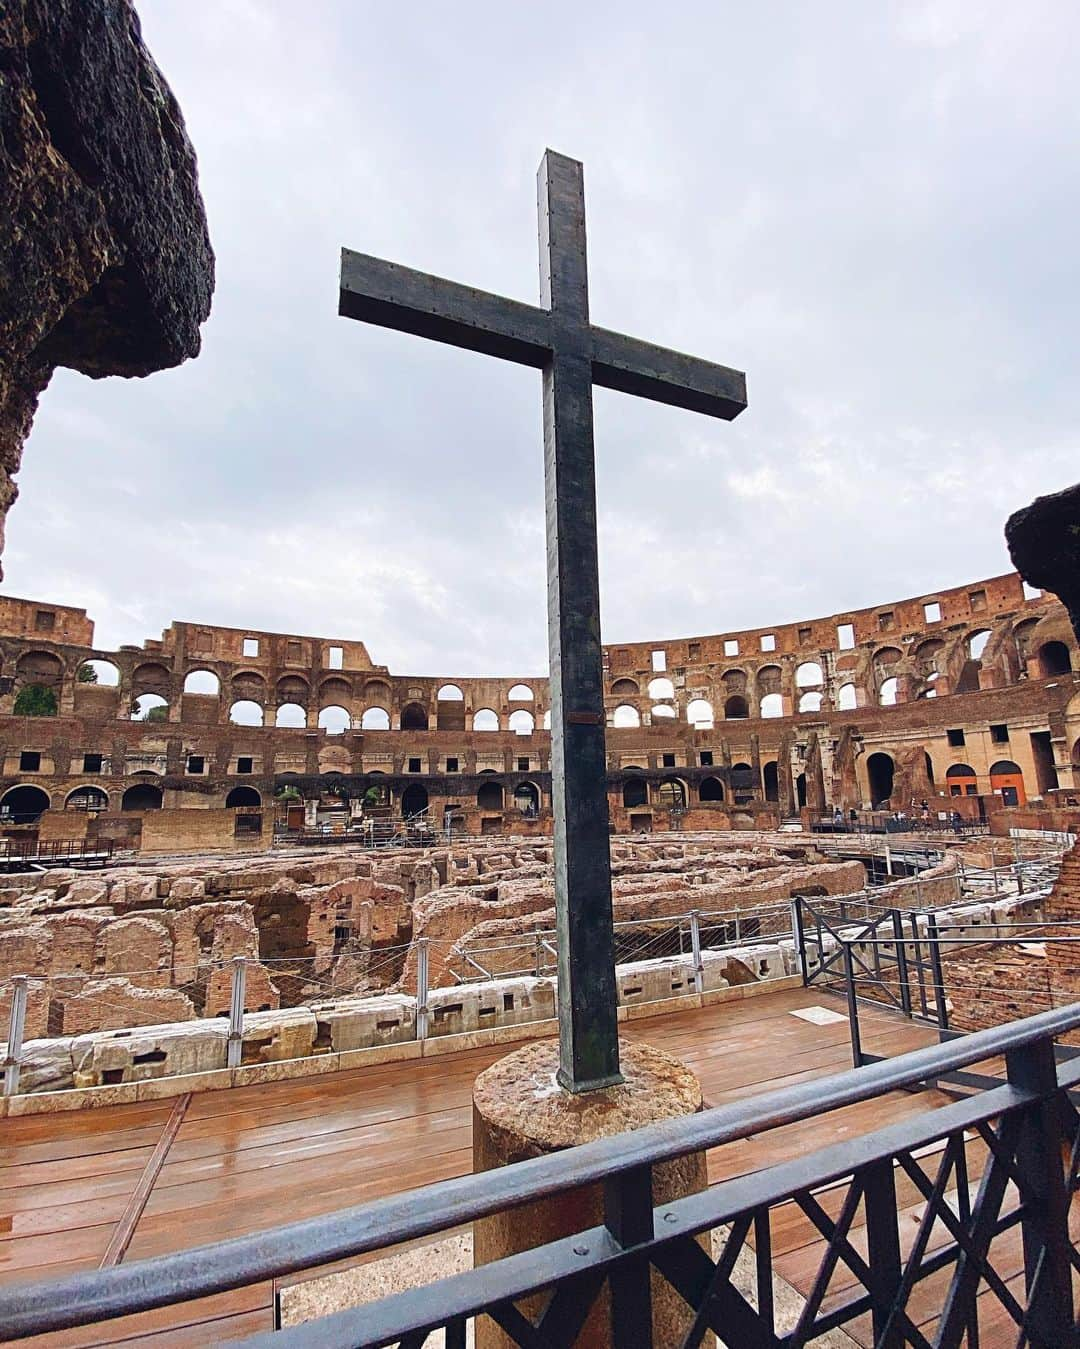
(870, 208)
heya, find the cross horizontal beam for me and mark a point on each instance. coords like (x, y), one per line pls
(392, 296)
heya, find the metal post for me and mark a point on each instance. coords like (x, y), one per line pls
(888, 860)
(883, 1251)
(934, 942)
(695, 946)
(799, 937)
(852, 1007)
(628, 1216)
(421, 988)
(16, 1026)
(1045, 1222)
(959, 892)
(901, 961)
(918, 892)
(236, 1012)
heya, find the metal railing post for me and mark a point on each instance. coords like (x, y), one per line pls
(695, 947)
(901, 962)
(421, 988)
(799, 937)
(16, 1027)
(628, 1216)
(235, 1049)
(852, 1006)
(933, 940)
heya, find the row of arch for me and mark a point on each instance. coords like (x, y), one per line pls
(27, 801)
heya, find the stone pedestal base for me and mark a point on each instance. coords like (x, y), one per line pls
(520, 1111)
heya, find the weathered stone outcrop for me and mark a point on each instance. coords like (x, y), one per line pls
(1044, 544)
(105, 261)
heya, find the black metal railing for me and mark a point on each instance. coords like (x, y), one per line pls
(974, 1195)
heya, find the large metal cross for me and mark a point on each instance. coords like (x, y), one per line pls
(573, 354)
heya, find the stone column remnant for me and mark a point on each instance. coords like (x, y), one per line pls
(105, 260)
(1044, 544)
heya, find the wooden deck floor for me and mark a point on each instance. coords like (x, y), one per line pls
(254, 1157)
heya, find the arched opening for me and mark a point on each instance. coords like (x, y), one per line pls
(40, 667)
(490, 796)
(142, 796)
(334, 720)
(662, 711)
(960, 780)
(291, 715)
(846, 699)
(880, 769)
(710, 789)
(672, 794)
(202, 681)
(102, 672)
(243, 796)
(625, 688)
(977, 643)
(35, 700)
(929, 767)
(149, 707)
(809, 675)
(375, 719)
(889, 692)
(736, 708)
(771, 776)
(772, 705)
(292, 689)
(520, 693)
(414, 800)
(635, 792)
(522, 722)
(87, 798)
(626, 716)
(527, 799)
(485, 720)
(800, 789)
(810, 702)
(699, 714)
(23, 805)
(661, 688)
(1007, 781)
(244, 712)
(450, 709)
(1054, 659)
(413, 717)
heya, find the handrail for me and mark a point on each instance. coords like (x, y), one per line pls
(81, 1299)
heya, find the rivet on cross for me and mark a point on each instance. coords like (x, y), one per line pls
(558, 339)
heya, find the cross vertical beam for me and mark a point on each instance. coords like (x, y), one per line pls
(588, 1005)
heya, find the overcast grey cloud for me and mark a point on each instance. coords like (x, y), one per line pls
(868, 207)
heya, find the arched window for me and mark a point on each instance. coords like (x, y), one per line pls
(736, 708)
(102, 672)
(520, 693)
(1004, 768)
(809, 675)
(142, 796)
(711, 789)
(375, 719)
(977, 643)
(150, 707)
(846, 699)
(334, 720)
(449, 693)
(662, 711)
(772, 705)
(290, 715)
(22, 805)
(810, 702)
(625, 688)
(449, 709)
(625, 716)
(672, 794)
(87, 798)
(635, 792)
(880, 769)
(522, 722)
(661, 688)
(242, 796)
(771, 777)
(246, 713)
(527, 799)
(1054, 659)
(204, 682)
(490, 796)
(485, 720)
(888, 693)
(414, 800)
(699, 714)
(413, 717)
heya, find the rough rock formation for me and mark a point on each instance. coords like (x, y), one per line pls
(105, 260)
(1044, 544)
